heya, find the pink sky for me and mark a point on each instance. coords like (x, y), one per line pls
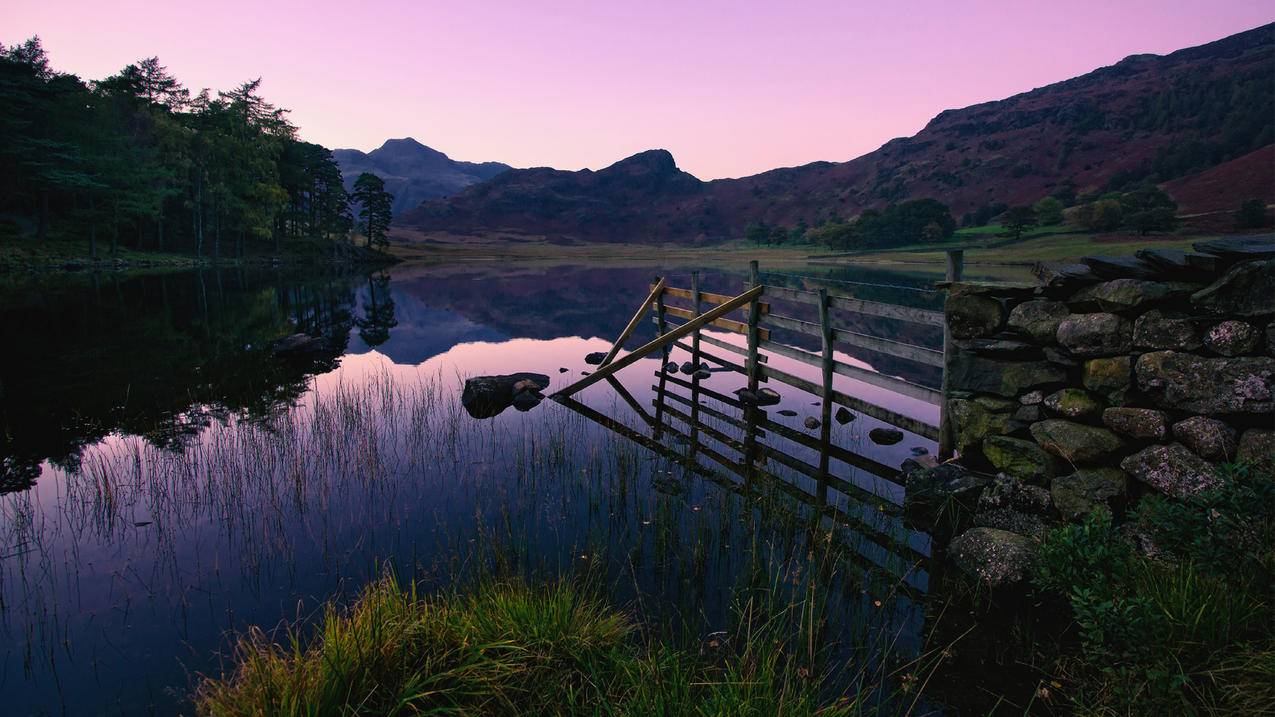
(730, 88)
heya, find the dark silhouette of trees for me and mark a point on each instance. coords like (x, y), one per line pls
(1018, 219)
(374, 208)
(1252, 214)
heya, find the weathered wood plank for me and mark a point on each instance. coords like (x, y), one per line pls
(677, 333)
(633, 322)
(706, 296)
(859, 306)
(920, 354)
(738, 327)
(891, 383)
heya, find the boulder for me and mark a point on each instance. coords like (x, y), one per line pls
(1019, 459)
(1128, 294)
(1038, 319)
(1031, 398)
(1007, 492)
(1257, 448)
(1100, 334)
(1208, 386)
(1158, 330)
(1108, 376)
(1030, 414)
(1248, 289)
(1208, 438)
(970, 372)
(1076, 443)
(1233, 338)
(971, 423)
(487, 396)
(1172, 470)
(885, 436)
(526, 400)
(1013, 521)
(946, 489)
(1076, 495)
(992, 556)
(970, 316)
(1074, 403)
(595, 358)
(1144, 424)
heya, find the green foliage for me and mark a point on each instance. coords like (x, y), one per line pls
(1049, 210)
(1252, 214)
(136, 159)
(911, 222)
(1102, 215)
(1148, 208)
(511, 649)
(1186, 631)
(374, 208)
(1018, 219)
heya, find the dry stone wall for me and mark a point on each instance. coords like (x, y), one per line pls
(1115, 376)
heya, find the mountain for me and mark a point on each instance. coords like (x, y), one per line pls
(413, 172)
(1148, 117)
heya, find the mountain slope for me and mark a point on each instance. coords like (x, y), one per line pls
(414, 172)
(1146, 117)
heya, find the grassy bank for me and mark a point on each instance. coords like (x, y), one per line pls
(25, 254)
(508, 648)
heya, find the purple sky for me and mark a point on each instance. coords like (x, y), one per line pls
(731, 88)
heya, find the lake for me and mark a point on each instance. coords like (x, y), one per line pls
(169, 479)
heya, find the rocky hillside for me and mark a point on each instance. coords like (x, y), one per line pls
(1148, 117)
(414, 172)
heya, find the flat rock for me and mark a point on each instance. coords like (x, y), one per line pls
(1233, 338)
(885, 436)
(487, 396)
(1118, 267)
(1108, 376)
(1208, 386)
(1128, 294)
(1076, 443)
(1074, 403)
(1173, 470)
(992, 556)
(1077, 494)
(1208, 438)
(1038, 319)
(970, 372)
(1238, 248)
(1019, 459)
(1014, 521)
(594, 358)
(1058, 275)
(1158, 330)
(1246, 290)
(1099, 334)
(1144, 424)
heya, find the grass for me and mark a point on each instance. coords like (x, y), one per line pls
(510, 648)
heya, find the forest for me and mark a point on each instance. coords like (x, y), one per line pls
(136, 160)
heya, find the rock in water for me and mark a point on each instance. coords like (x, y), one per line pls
(487, 396)
(811, 422)
(562, 370)
(767, 397)
(843, 415)
(299, 345)
(702, 374)
(788, 412)
(885, 436)
(670, 367)
(526, 400)
(595, 358)
(688, 368)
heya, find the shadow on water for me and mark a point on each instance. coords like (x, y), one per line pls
(181, 480)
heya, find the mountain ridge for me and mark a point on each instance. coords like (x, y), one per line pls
(1147, 117)
(413, 172)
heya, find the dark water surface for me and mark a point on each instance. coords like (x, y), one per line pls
(168, 480)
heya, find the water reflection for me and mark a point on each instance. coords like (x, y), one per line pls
(179, 479)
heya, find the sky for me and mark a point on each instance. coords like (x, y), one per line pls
(730, 88)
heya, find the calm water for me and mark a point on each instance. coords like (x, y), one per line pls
(167, 480)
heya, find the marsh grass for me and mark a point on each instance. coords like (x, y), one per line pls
(507, 647)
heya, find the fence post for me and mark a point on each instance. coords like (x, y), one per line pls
(659, 331)
(955, 267)
(754, 316)
(695, 359)
(825, 426)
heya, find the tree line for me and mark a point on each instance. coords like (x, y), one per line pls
(911, 222)
(137, 160)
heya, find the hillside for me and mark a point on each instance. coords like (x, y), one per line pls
(413, 172)
(1147, 117)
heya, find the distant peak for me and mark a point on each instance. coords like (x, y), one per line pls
(408, 145)
(652, 160)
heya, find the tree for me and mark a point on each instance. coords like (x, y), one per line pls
(1096, 216)
(374, 208)
(757, 232)
(1148, 208)
(1018, 219)
(1252, 214)
(1049, 211)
